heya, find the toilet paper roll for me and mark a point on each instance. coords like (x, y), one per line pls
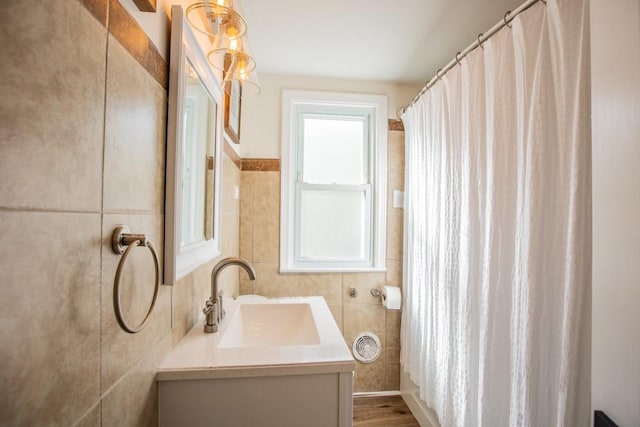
(391, 297)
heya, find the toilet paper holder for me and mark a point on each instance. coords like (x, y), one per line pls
(376, 293)
(384, 298)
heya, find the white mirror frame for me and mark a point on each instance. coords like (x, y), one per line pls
(180, 261)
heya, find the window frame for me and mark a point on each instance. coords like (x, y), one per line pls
(295, 105)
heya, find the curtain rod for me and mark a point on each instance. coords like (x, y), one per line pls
(482, 37)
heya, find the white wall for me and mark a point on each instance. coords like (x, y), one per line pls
(261, 114)
(615, 35)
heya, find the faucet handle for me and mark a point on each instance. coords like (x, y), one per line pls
(208, 307)
(210, 312)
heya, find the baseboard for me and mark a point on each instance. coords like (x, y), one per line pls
(411, 396)
(376, 393)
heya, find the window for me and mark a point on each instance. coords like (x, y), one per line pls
(333, 182)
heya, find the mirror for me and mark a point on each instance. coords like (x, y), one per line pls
(194, 132)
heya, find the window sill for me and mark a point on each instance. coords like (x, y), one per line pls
(331, 270)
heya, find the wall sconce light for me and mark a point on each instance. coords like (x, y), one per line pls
(239, 75)
(237, 66)
(229, 54)
(216, 18)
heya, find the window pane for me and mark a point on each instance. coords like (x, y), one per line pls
(332, 225)
(334, 151)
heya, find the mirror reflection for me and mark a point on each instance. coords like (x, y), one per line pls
(198, 145)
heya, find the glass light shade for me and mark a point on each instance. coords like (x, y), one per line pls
(239, 78)
(228, 60)
(228, 45)
(217, 19)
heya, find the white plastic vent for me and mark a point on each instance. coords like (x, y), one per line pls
(366, 347)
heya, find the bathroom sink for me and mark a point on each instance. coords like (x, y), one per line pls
(261, 334)
(272, 355)
(269, 325)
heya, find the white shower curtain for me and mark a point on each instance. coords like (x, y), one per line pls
(496, 326)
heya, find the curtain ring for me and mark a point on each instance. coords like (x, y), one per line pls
(458, 58)
(480, 41)
(438, 74)
(507, 23)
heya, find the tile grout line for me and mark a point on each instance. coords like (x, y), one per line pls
(104, 149)
(132, 212)
(46, 210)
(86, 413)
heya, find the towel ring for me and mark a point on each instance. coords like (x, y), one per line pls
(121, 238)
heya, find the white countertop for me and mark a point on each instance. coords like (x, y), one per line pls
(199, 356)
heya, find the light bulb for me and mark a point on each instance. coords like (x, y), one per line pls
(232, 31)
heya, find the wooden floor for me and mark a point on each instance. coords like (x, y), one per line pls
(387, 411)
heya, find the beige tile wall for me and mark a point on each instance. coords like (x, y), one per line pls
(82, 148)
(259, 243)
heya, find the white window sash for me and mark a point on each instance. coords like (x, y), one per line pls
(334, 262)
(368, 134)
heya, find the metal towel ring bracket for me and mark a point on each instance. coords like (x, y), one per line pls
(120, 240)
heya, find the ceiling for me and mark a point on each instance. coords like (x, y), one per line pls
(402, 41)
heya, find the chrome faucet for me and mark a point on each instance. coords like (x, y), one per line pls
(213, 309)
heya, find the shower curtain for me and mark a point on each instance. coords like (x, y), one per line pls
(496, 323)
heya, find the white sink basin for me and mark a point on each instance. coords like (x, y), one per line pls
(269, 325)
(259, 335)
